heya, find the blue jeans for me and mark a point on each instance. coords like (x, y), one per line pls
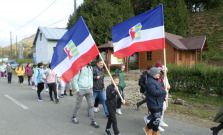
(102, 98)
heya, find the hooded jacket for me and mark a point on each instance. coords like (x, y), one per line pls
(38, 76)
(121, 78)
(98, 83)
(154, 93)
(112, 96)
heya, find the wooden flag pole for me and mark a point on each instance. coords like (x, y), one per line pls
(165, 76)
(110, 77)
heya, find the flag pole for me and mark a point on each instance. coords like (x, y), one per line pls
(165, 76)
(110, 76)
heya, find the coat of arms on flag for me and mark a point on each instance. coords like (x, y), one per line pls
(134, 32)
(71, 50)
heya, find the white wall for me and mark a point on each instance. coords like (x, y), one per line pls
(41, 49)
(51, 45)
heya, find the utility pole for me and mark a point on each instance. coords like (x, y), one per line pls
(75, 3)
(16, 49)
(11, 44)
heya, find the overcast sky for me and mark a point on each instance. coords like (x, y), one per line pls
(20, 17)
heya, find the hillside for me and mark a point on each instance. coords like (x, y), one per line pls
(27, 44)
(209, 23)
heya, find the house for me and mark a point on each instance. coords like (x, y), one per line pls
(179, 51)
(45, 42)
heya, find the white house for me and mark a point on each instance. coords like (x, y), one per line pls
(45, 42)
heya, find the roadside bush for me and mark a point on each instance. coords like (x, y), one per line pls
(196, 79)
(25, 61)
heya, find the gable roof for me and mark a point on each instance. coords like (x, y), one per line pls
(50, 33)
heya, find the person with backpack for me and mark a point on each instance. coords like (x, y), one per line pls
(38, 79)
(122, 84)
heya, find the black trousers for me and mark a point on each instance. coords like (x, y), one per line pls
(21, 79)
(96, 102)
(40, 87)
(29, 78)
(155, 121)
(142, 102)
(112, 120)
(52, 88)
(9, 77)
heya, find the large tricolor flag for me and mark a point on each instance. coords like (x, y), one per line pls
(144, 32)
(73, 51)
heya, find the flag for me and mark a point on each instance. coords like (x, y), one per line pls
(144, 32)
(73, 51)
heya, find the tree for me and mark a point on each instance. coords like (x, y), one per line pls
(176, 18)
(141, 6)
(101, 15)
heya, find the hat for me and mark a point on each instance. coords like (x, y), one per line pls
(154, 71)
(158, 64)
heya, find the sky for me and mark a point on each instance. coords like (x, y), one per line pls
(22, 17)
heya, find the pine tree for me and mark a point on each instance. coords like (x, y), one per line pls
(101, 15)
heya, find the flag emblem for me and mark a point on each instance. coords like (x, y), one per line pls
(71, 50)
(134, 32)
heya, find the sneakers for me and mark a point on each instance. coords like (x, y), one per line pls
(107, 132)
(163, 124)
(146, 120)
(57, 101)
(147, 131)
(62, 95)
(96, 109)
(74, 120)
(40, 99)
(94, 124)
(161, 129)
(51, 100)
(47, 90)
(118, 111)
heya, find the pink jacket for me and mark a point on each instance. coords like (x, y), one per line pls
(28, 71)
(49, 75)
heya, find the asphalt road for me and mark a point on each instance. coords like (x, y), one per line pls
(22, 114)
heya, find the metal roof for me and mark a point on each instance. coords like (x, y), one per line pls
(50, 33)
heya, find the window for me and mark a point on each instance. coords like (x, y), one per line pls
(180, 56)
(149, 56)
(40, 36)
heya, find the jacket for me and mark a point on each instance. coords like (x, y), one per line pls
(98, 83)
(143, 81)
(112, 96)
(154, 94)
(28, 71)
(219, 116)
(121, 78)
(20, 71)
(9, 69)
(2, 68)
(49, 75)
(84, 79)
(38, 76)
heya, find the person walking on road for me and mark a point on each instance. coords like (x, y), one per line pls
(38, 79)
(122, 84)
(3, 69)
(33, 75)
(9, 72)
(111, 101)
(83, 84)
(98, 88)
(51, 78)
(28, 72)
(20, 70)
(154, 95)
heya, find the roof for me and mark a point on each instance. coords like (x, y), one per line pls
(178, 42)
(50, 33)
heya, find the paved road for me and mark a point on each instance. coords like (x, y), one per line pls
(22, 114)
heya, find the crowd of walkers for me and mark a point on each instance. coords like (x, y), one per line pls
(89, 83)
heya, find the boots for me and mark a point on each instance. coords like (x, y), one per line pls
(156, 133)
(71, 93)
(147, 131)
(65, 92)
(217, 129)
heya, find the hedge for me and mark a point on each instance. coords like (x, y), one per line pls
(196, 79)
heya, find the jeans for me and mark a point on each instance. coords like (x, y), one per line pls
(102, 98)
(155, 121)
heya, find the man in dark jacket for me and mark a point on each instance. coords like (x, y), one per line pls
(155, 96)
(142, 83)
(98, 85)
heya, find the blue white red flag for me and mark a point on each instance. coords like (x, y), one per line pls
(73, 51)
(144, 32)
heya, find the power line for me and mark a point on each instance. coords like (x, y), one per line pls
(36, 16)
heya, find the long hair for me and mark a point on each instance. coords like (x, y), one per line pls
(27, 64)
(20, 65)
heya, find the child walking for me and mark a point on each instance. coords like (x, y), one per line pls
(33, 75)
(9, 72)
(20, 70)
(51, 78)
(28, 72)
(38, 79)
(111, 102)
